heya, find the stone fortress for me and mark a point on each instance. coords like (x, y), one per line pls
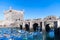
(15, 18)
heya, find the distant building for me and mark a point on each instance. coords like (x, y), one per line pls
(15, 18)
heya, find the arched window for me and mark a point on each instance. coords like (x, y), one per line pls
(19, 19)
(10, 11)
(50, 18)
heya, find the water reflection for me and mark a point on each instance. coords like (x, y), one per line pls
(49, 33)
(20, 34)
(57, 33)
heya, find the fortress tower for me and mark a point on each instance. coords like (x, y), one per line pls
(14, 15)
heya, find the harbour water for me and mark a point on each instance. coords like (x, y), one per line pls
(17, 34)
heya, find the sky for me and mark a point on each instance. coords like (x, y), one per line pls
(32, 8)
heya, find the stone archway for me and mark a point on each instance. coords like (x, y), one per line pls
(27, 28)
(47, 27)
(21, 27)
(35, 26)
